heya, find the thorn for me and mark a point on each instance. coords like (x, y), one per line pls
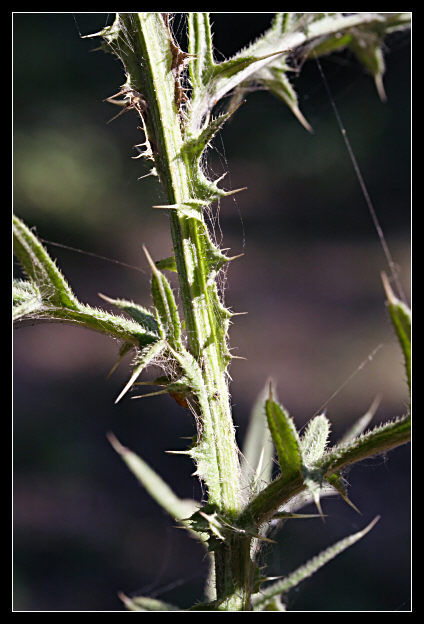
(124, 110)
(178, 452)
(114, 367)
(232, 109)
(237, 357)
(226, 193)
(126, 388)
(187, 204)
(148, 383)
(220, 178)
(295, 516)
(105, 298)
(152, 172)
(97, 34)
(264, 539)
(262, 58)
(146, 154)
(349, 502)
(149, 394)
(238, 313)
(270, 397)
(111, 98)
(128, 385)
(231, 258)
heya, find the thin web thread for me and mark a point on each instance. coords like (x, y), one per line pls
(368, 201)
(94, 255)
(368, 359)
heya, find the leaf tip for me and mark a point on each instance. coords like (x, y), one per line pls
(391, 297)
(149, 259)
(115, 443)
(378, 79)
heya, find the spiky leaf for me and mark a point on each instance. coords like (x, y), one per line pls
(314, 440)
(400, 316)
(167, 264)
(160, 491)
(258, 448)
(146, 357)
(361, 424)
(27, 299)
(200, 47)
(284, 436)
(40, 267)
(136, 311)
(379, 440)
(308, 569)
(336, 480)
(145, 603)
(166, 308)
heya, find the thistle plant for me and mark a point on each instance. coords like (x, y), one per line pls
(173, 95)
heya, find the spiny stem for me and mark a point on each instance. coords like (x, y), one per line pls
(146, 53)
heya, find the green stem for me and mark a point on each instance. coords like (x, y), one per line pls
(98, 320)
(380, 440)
(142, 41)
(158, 86)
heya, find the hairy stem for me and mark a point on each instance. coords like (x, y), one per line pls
(145, 46)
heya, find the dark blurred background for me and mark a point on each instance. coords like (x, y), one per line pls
(309, 279)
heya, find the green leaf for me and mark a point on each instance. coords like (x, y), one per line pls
(400, 316)
(285, 437)
(258, 449)
(313, 446)
(308, 569)
(40, 268)
(189, 209)
(167, 264)
(136, 311)
(166, 308)
(200, 46)
(277, 82)
(194, 377)
(366, 45)
(146, 357)
(145, 603)
(57, 299)
(178, 508)
(336, 481)
(361, 424)
(305, 498)
(207, 522)
(125, 348)
(319, 34)
(26, 299)
(194, 145)
(274, 604)
(203, 453)
(379, 440)
(286, 515)
(314, 440)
